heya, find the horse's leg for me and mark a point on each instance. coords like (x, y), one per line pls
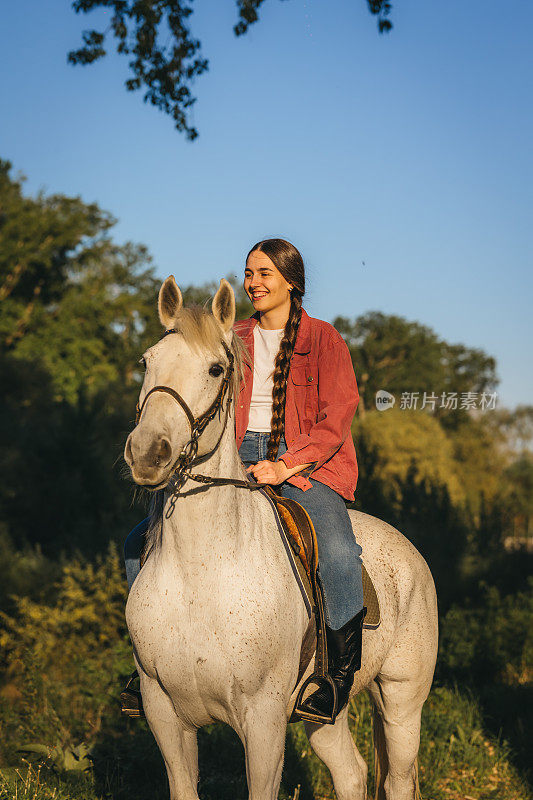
(178, 743)
(334, 745)
(263, 736)
(399, 706)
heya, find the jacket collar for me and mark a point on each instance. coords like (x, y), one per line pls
(303, 337)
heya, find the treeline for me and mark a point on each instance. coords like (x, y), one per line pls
(77, 311)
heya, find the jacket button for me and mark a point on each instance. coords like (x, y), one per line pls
(310, 378)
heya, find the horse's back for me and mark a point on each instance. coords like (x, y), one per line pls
(389, 557)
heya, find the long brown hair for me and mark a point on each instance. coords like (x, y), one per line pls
(289, 262)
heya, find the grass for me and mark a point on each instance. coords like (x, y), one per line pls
(458, 760)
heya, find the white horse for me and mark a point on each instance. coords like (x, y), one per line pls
(215, 615)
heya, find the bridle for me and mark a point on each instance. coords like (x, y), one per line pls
(181, 469)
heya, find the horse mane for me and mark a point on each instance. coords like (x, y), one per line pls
(202, 332)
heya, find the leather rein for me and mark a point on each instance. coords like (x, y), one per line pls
(188, 457)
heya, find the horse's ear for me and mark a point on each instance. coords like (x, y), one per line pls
(223, 305)
(170, 302)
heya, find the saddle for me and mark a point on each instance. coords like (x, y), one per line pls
(299, 532)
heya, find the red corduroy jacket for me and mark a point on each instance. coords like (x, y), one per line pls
(321, 400)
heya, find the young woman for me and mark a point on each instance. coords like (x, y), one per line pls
(292, 421)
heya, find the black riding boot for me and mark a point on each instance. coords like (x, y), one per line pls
(344, 659)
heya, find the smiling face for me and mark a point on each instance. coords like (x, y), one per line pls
(265, 285)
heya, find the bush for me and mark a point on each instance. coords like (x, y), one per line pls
(62, 659)
(490, 640)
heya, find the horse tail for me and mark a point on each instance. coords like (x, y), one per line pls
(381, 762)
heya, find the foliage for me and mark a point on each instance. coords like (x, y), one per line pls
(65, 656)
(401, 438)
(39, 238)
(200, 295)
(480, 459)
(391, 353)
(78, 310)
(165, 57)
(29, 782)
(76, 695)
(457, 757)
(462, 545)
(64, 759)
(489, 640)
(516, 426)
(72, 300)
(518, 493)
(64, 454)
(24, 571)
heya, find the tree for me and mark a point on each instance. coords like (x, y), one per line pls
(398, 439)
(481, 459)
(39, 239)
(519, 495)
(72, 299)
(77, 312)
(515, 426)
(165, 57)
(394, 354)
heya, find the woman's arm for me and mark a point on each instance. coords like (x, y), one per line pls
(338, 397)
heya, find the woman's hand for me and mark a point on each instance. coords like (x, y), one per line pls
(272, 472)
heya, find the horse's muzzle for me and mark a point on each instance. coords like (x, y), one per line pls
(148, 464)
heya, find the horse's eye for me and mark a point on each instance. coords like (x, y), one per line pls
(143, 361)
(216, 370)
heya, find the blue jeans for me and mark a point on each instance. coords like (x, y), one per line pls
(339, 555)
(132, 550)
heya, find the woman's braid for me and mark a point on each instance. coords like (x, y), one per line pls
(281, 373)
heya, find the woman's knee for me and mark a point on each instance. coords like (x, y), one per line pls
(330, 517)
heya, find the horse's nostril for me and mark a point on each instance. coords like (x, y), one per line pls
(163, 453)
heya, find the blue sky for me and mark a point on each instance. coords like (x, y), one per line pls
(399, 165)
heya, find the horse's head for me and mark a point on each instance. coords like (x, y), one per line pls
(184, 379)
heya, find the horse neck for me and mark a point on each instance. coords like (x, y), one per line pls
(203, 517)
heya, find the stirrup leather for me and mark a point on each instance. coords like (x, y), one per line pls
(320, 677)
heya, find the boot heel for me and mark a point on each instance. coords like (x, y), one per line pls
(324, 683)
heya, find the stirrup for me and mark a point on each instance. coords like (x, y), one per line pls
(131, 704)
(318, 680)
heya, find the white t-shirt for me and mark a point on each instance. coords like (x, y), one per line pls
(266, 346)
